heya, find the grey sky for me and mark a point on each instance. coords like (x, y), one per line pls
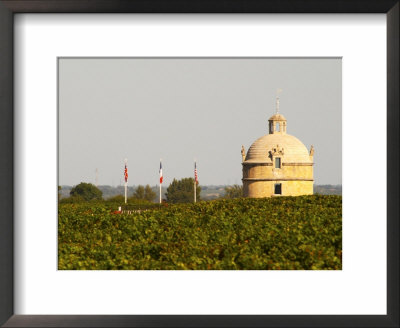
(185, 109)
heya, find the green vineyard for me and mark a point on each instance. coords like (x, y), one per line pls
(280, 233)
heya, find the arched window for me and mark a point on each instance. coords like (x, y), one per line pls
(277, 127)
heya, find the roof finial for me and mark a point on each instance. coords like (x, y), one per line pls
(278, 91)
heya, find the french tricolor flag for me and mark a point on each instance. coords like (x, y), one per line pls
(161, 176)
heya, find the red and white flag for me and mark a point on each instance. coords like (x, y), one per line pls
(195, 174)
(161, 176)
(126, 173)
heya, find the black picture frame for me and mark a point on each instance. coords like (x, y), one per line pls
(10, 7)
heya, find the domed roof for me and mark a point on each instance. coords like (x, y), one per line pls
(294, 150)
(277, 117)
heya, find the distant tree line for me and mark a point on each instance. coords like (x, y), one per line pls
(179, 191)
(234, 191)
(85, 192)
(328, 189)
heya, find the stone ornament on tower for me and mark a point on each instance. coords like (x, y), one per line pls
(312, 150)
(276, 151)
(243, 151)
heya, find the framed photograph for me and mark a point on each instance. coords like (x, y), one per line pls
(170, 164)
(217, 209)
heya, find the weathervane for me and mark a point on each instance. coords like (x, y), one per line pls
(278, 91)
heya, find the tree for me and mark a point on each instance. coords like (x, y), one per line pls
(235, 191)
(72, 199)
(86, 191)
(116, 199)
(149, 194)
(182, 191)
(144, 193)
(139, 192)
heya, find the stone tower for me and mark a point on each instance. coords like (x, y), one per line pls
(277, 164)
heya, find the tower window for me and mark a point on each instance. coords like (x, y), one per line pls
(277, 162)
(277, 127)
(278, 189)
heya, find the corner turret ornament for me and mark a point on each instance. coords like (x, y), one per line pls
(276, 151)
(312, 150)
(243, 153)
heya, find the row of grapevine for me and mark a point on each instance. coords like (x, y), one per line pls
(282, 233)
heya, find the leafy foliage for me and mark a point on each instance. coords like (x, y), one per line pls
(149, 194)
(139, 192)
(118, 199)
(144, 193)
(87, 191)
(182, 191)
(272, 233)
(234, 191)
(72, 200)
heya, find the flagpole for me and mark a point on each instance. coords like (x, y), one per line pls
(194, 185)
(126, 181)
(161, 177)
